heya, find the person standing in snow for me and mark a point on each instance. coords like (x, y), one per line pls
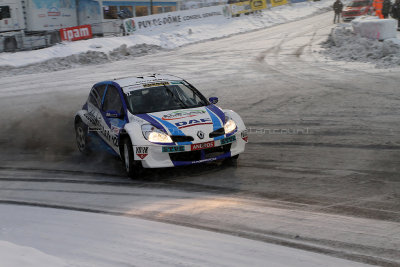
(386, 8)
(337, 7)
(378, 4)
(395, 12)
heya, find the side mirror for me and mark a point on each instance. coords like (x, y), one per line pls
(213, 100)
(113, 114)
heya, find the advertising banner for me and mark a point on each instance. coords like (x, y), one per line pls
(46, 15)
(174, 18)
(278, 2)
(247, 6)
(258, 4)
(240, 8)
(76, 33)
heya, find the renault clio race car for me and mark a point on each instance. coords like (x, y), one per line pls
(157, 121)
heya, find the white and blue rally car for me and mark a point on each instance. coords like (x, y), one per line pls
(157, 121)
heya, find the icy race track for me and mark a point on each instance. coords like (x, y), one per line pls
(333, 189)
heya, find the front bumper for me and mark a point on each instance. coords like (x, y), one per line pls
(160, 156)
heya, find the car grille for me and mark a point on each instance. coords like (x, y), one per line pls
(351, 13)
(196, 155)
(181, 138)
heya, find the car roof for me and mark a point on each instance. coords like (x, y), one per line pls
(148, 79)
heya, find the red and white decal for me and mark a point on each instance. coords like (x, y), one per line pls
(76, 33)
(142, 151)
(202, 145)
(245, 136)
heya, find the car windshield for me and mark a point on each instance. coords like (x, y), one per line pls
(359, 3)
(166, 97)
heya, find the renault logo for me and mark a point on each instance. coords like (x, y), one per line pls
(200, 134)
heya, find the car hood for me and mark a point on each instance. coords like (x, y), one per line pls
(187, 122)
(354, 8)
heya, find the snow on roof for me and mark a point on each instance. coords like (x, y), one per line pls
(129, 81)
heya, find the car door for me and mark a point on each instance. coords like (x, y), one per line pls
(113, 115)
(94, 103)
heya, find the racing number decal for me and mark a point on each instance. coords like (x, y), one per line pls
(142, 151)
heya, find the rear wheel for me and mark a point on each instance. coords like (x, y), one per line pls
(10, 45)
(81, 131)
(132, 167)
(55, 38)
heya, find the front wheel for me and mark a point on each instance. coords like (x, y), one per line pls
(132, 167)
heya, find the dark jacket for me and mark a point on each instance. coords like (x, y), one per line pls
(395, 12)
(386, 7)
(338, 7)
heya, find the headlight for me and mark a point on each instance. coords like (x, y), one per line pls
(154, 135)
(229, 126)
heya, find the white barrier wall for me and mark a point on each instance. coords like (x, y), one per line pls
(178, 18)
(375, 28)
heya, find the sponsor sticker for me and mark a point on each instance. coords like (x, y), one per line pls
(155, 84)
(244, 136)
(202, 145)
(228, 140)
(142, 151)
(171, 149)
(184, 124)
(182, 114)
(115, 129)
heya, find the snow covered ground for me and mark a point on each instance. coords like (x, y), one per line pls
(334, 189)
(100, 50)
(57, 238)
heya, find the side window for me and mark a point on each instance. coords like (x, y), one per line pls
(112, 100)
(96, 95)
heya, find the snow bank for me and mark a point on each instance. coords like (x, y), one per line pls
(166, 37)
(375, 28)
(12, 255)
(343, 44)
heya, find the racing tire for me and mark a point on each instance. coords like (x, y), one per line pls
(132, 167)
(55, 38)
(81, 131)
(10, 45)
